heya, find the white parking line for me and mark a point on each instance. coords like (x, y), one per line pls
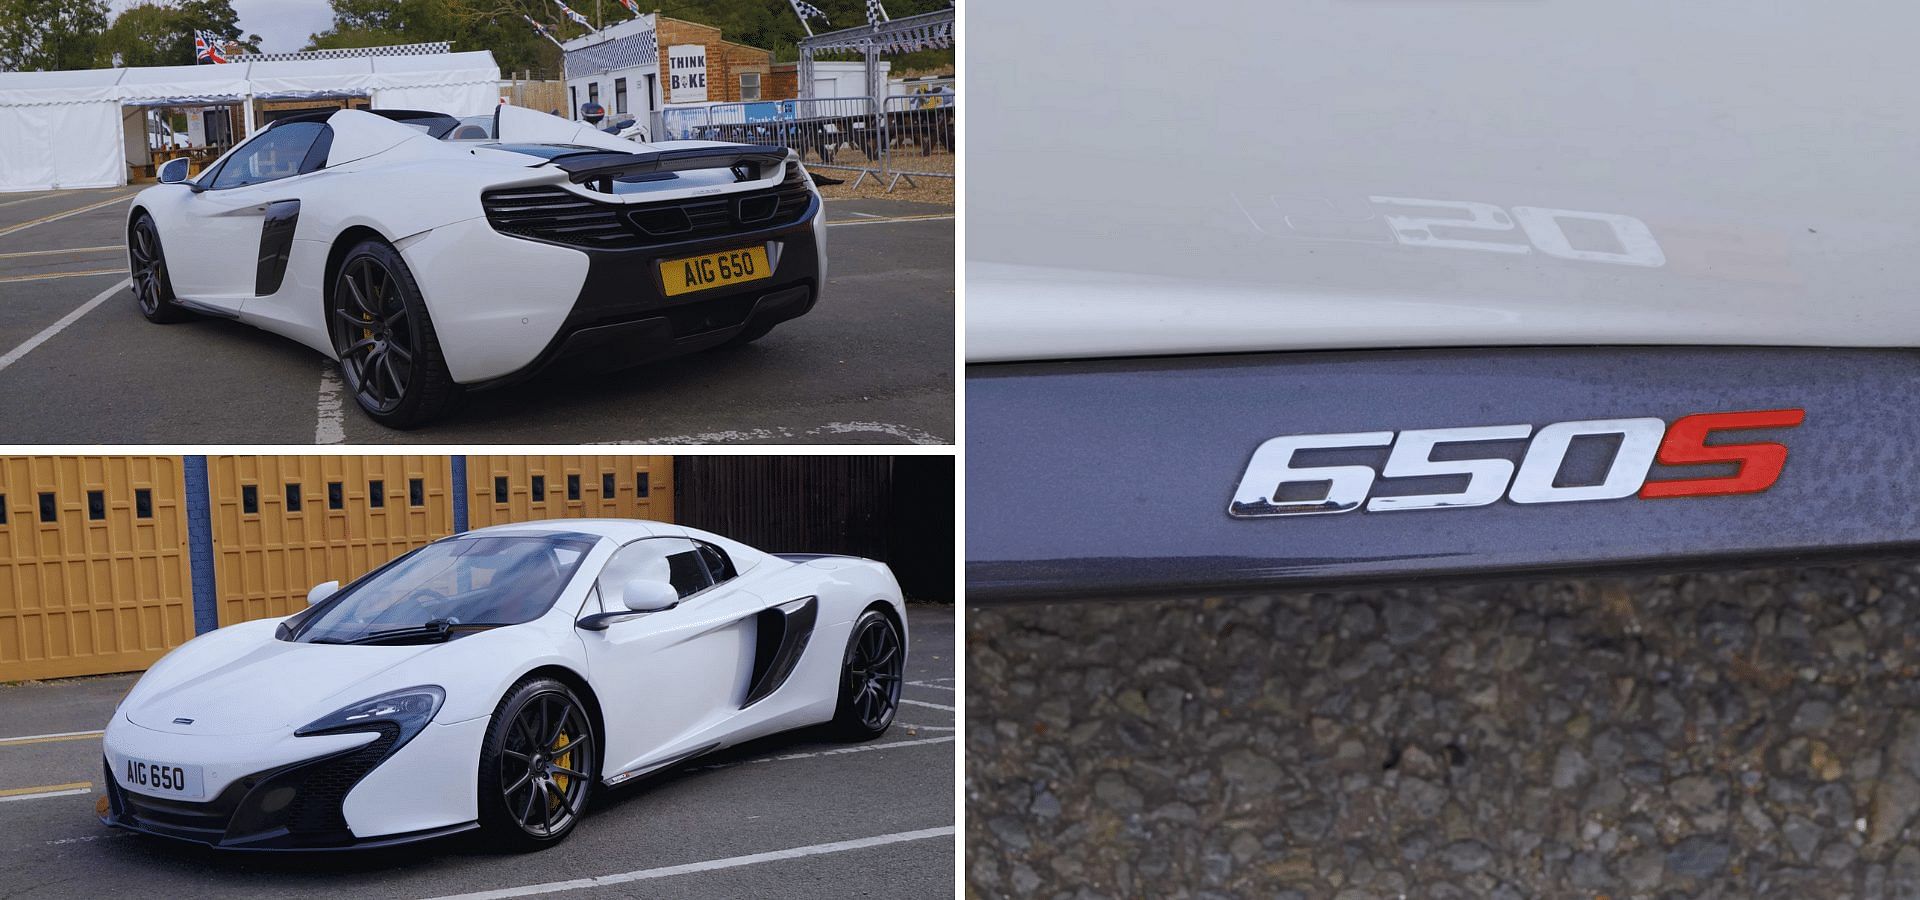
(929, 684)
(46, 738)
(925, 703)
(331, 426)
(925, 727)
(711, 865)
(47, 333)
(49, 276)
(837, 751)
(25, 253)
(781, 434)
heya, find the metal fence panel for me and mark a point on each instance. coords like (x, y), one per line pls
(920, 132)
(827, 133)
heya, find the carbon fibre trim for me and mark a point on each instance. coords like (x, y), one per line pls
(276, 244)
(1108, 478)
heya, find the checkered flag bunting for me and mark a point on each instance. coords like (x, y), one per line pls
(807, 11)
(876, 13)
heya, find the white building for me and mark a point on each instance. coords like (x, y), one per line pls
(617, 67)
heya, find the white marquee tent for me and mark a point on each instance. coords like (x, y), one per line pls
(64, 129)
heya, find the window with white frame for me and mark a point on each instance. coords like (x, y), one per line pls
(749, 85)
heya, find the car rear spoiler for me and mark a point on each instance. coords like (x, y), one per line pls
(599, 165)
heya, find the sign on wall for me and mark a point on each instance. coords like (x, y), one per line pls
(687, 73)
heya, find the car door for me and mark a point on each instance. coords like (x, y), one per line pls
(214, 257)
(666, 678)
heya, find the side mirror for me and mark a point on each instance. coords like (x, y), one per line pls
(646, 595)
(322, 591)
(174, 171)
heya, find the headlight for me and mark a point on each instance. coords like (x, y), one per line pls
(408, 708)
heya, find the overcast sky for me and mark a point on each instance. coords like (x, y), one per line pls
(281, 24)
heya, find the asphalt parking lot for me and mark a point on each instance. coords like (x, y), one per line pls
(1733, 734)
(873, 363)
(787, 816)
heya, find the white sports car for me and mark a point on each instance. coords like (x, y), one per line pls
(427, 264)
(494, 680)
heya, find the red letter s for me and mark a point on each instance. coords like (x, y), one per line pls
(1760, 464)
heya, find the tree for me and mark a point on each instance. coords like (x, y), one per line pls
(42, 35)
(160, 32)
(373, 23)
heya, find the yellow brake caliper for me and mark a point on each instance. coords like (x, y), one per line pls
(562, 759)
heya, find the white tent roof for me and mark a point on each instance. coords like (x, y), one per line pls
(158, 84)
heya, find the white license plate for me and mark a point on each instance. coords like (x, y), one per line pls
(161, 779)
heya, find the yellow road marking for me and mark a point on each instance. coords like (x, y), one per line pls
(22, 253)
(926, 218)
(58, 216)
(52, 194)
(12, 792)
(49, 739)
(51, 275)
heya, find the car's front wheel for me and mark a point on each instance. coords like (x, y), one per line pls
(870, 678)
(389, 354)
(537, 766)
(151, 284)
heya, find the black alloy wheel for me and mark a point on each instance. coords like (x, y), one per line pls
(871, 679)
(537, 766)
(149, 272)
(389, 354)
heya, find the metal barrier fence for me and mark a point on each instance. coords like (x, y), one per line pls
(827, 133)
(920, 135)
(854, 134)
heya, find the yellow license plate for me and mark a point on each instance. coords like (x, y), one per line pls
(699, 273)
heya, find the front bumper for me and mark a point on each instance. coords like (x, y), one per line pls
(368, 793)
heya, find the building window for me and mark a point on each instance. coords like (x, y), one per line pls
(250, 500)
(500, 489)
(416, 492)
(606, 486)
(640, 485)
(336, 497)
(3, 509)
(539, 489)
(96, 505)
(749, 85)
(573, 102)
(620, 96)
(573, 486)
(48, 510)
(377, 493)
(293, 496)
(593, 92)
(142, 504)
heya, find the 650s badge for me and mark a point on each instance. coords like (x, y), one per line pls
(1272, 484)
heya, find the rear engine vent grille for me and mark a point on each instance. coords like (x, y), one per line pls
(560, 216)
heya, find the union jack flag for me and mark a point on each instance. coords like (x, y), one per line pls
(568, 10)
(207, 48)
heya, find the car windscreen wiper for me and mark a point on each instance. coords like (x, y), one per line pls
(431, 630)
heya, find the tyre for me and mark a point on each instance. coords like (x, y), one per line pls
(870, 678)
(538, 766)
(389, 355)
(151, 284)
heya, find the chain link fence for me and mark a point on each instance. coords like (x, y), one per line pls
(899, 137)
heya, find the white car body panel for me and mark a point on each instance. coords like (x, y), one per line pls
(247, 691)
(496, 301)
(1293, 199)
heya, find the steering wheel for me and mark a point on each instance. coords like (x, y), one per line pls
(422, 599)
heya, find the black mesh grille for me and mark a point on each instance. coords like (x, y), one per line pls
(317, 801)
(555, 214)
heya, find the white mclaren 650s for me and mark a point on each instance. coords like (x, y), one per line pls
(427, 266)
(495, 680)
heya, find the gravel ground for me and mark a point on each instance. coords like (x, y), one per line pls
(1737, 734)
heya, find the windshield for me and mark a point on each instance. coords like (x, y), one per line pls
(447, 589)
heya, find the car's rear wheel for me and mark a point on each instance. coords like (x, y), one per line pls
(537, 766)
(870, 678)
(151, 285)
(389, 354)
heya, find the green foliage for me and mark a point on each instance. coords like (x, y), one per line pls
(51, 34)
(497, 25)
(470, 24)
(160, 33)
